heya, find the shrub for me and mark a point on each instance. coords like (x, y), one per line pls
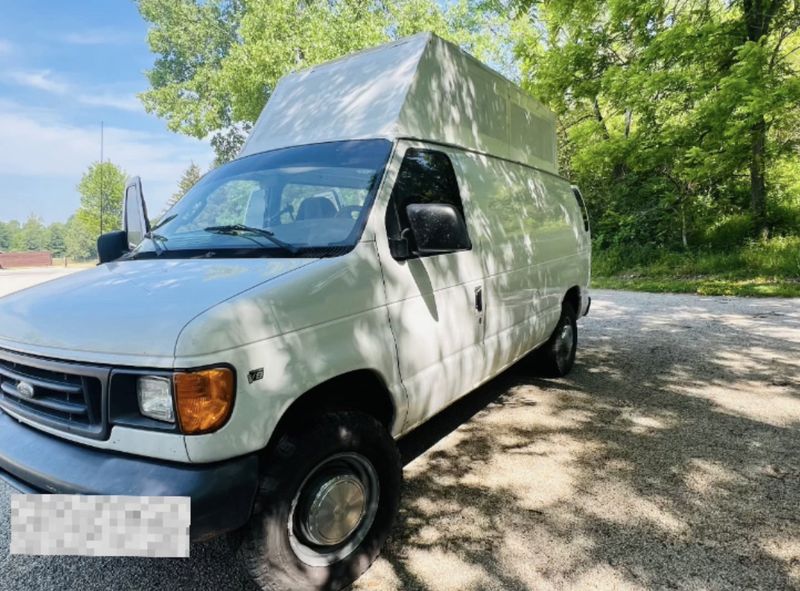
(784, 219)
(778, 256)
(729, 232)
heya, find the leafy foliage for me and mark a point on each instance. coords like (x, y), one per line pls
(71, 239)
(218, 61)
(101, 189)
(80, 242)
(32, 236)
(188, 180)
(674, 114)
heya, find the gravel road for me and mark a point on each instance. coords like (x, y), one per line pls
(668, 459)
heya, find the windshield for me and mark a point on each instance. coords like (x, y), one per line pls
(301, 201)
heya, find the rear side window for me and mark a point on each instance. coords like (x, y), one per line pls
(584, 213)
(426, 176)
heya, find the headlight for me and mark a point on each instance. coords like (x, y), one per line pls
(204, 399)
(155, 398)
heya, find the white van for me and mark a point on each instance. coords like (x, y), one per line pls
(393, 234)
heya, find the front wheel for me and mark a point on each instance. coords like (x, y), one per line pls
(557, 356)
(328, 497)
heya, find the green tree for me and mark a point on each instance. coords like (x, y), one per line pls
(188, 180)
(661, 106)
(56, 241)
(79, 240)
(8, 233)
(34, 234)
(762, 87)
(101, 183)
(218, 61)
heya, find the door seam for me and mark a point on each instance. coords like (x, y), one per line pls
(394, 339)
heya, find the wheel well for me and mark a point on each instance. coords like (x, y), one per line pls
(361, 390)
(573, 298)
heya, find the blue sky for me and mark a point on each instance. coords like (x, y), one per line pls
(64, 67)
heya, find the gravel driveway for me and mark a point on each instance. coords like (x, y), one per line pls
(668, 459)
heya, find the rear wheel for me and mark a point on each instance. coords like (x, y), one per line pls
(557, 356)
(327, 501)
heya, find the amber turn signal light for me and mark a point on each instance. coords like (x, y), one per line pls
(204, 399)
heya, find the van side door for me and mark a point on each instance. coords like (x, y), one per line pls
(435, 302)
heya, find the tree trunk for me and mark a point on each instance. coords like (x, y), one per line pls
(684, 238)
(758, 185)
(758, 17)
(600, 119)
(628, 122)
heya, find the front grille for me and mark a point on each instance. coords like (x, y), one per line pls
(64, 396)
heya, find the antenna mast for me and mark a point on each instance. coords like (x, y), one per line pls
(102, 188)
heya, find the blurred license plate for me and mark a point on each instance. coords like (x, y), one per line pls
(81, 525)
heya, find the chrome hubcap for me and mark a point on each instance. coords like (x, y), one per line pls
(338, 507)
(334, 509)
(564, 344)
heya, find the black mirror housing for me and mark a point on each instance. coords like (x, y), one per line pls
(437, 228)
(399, 248)
(112, 245)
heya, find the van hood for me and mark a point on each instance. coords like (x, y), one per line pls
(132, 310)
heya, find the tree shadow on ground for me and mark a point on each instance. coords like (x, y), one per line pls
(668, 459)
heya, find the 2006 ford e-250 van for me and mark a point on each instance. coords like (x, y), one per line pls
(393, 234)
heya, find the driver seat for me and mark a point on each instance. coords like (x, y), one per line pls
(312, 208)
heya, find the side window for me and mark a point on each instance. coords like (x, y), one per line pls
(579, 196)
(426, 176)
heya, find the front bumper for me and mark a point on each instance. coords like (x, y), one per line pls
(221, 494)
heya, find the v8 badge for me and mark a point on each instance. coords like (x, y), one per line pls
(254, 375)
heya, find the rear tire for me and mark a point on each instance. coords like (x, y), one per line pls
(328, 498)
(557, 356)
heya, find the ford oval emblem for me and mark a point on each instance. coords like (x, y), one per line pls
(25, 390)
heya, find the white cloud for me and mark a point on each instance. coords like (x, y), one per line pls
(40, 80)
(116, 101)
(98, 37)
(45, 81)
(35, 143)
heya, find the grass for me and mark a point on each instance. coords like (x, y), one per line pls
(706, 285)
(759, 269)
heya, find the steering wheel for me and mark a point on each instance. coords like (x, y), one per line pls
(347, 211)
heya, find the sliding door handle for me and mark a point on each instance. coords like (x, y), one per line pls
(479, 299)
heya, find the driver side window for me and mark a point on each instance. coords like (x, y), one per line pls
(426, 176)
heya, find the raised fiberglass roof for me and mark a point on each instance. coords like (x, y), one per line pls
(420, 87)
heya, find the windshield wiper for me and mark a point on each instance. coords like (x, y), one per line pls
(160, 223)
(158, 239)
(237, 229)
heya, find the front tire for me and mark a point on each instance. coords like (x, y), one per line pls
(328, 498)
(557, 356)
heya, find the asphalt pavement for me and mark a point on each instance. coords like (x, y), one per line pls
(667, 459)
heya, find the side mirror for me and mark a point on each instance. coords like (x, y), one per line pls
(437, 228)
(111, 246)
(134, 213)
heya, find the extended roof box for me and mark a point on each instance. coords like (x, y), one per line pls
(421, 87)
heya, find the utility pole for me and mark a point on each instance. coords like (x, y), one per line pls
(102, 188)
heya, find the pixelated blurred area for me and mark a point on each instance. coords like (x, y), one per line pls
(76, 525)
